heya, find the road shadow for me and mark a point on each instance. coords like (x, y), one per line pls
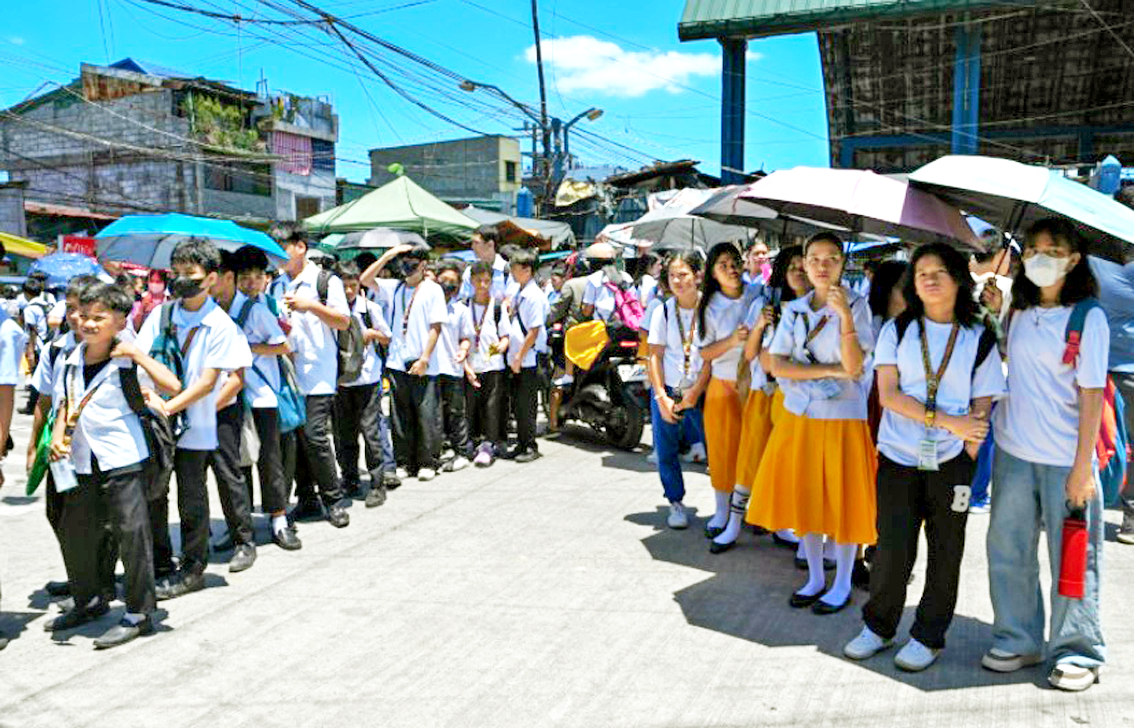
(14, 624)
(19, 500)
(746, 596)
(95, 628)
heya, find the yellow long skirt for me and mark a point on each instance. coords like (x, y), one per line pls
(760, 415)
(723, 423)
(817, 476)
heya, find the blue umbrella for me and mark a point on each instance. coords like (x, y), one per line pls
(60, 268)
(149, 240)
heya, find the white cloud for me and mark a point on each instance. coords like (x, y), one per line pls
(16, 40)
(585, 63)
(753, 56)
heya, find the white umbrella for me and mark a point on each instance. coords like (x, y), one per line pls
(671, 226)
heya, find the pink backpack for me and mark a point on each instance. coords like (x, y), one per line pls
(627, 308)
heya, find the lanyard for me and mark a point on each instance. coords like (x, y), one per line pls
(406, 308)
(811, 334)
(75, 411)
(933, 380)
(478, 325)
(686, 342)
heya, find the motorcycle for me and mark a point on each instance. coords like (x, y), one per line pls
(611, 397)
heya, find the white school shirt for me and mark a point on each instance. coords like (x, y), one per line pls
(648, 289)
(108, 430)
(722, 316)
(899, 437)
(501, 280)
(801, 397)
(1039, 422)
(43, 378)
(492, 321)
(218, 344)
(58, 309)
(262, 377)
(13, 344)
(426, 306)
(457, 328)
(314, 344)
(599, 295)
(531, 313)
(759, 378)
(35, 319)
(371, 360)
(666, 326)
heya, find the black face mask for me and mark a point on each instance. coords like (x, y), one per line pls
(185, 287)
(450, 289)
(407, 268)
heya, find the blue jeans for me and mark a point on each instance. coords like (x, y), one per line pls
(667, 445)
(983, 475)
(1024, 494)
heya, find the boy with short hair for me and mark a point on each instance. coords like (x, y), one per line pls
(209, 343)
(485, 368)
(452, 352)
(358, 405)
(101, 435)
(529, 338)
(485, 242)
(417, 311)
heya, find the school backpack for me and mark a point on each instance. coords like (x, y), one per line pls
(627, 308)
(290, 404)
(352, 346)
(158, 432)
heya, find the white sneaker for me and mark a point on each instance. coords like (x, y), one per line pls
(867, 644)
(652, 458)
(696, 454)
(564, 381)
(1000, 661)
(402, 473)
(458, 463)
(1072, 678)
(678, 518)
(915, 656)
(426, 474)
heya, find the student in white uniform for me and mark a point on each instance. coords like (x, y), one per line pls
(35, 312)
(1044, 464)
(100, 436)
(417, 312)
(485, 242)
(358, 405)
(528, 340)
(13, 342)
(484, 368)
(317, 309)
(210, 344)
(452, 351)
(938, 371)
(599, 298)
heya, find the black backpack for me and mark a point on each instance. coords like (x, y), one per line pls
(158, 431)
(352, 346)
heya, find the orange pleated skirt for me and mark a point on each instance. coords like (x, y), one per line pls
(817, 476)
(723, 423)
(760, 415)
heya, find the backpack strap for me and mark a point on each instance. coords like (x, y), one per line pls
(323, 285)
(901, 323)
(166, 321)
(984, 347)
(245, 310)
(131, 389)
(1074, 333)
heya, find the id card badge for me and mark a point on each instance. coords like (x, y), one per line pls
(927, 455)
(63, 473)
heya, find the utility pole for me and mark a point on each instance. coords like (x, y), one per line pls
(544, 128)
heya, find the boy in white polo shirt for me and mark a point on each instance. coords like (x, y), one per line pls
(209, 343)
(314, 319)
(452, 350)
(417, 313)
(485, 368)
(528, 339)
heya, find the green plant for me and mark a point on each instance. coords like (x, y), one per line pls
(221, 125)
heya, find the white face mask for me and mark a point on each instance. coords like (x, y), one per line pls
(1044, 270)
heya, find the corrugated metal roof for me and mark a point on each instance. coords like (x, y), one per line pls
(758, 18)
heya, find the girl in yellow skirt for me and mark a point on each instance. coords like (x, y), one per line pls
(721, 335)
(818, 472)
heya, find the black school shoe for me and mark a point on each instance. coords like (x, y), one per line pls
(376, 496)
(526, 456)
(58, 588)
(180, 584)
(77, 617)
(390, 480)
(306, 510)
(337, 516)
(799, 601)
(822, 607)
(287, 539)
(123, 632)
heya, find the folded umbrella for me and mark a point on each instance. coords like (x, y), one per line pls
(60, 268)
(149, 240)
(1014, 195)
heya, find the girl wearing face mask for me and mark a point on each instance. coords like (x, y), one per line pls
(154, 297)
(1045, 435)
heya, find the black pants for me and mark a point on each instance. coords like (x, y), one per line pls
(486, 410)
(907, 498)
(104, 507)
(190, 467)
(232, 489)
(417, 421)
(453, 413)
(1124, 383)
(274, 486)
(315, 454)
(525, 395)
(358, 411)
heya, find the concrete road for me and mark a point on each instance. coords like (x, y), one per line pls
(548, 594)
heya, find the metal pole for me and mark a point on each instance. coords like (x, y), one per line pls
(542, 102)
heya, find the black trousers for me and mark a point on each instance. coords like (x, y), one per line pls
(233, 491)
(453, 413)
(315, 465)
(109, 507)
(525, 395)
(358, 411)
(907, 498)
(417, 421)
(190, 467)
(485, 408)
(274, 486)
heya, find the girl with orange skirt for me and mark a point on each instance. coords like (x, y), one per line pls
(818, 472)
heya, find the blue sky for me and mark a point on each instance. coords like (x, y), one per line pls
(660, 96)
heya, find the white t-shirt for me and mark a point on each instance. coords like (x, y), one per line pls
(457, 328)
(599, 295)
(531, 314)
(668, 323)
(501, 279)
(722, 316)
(899, 437)
(13, 343)
(35, 320)
(262, 378)
(58, 310)
(314, 344)
(1039, 422)
(490, 324)
(847, 400)
(425, 304)
(371, 315)
(217, 344)
(43, 378)
(647, 289)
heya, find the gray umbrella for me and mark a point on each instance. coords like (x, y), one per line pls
(379, 238)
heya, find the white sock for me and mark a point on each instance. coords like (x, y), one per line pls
(787, 535)
(133, 618)
(738, 506)
(800, 552)
(829, 548)
(813, 551)
(279, 523)
(720, 518)
(841, 588)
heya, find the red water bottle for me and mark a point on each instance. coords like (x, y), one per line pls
(1073, 564)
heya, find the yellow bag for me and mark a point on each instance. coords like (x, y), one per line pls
(584, 342)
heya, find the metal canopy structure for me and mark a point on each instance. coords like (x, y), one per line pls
(906, 82)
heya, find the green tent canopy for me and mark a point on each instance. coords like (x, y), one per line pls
(401, 205)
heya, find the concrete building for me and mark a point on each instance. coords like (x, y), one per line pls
(484, 171)
(133, 137)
